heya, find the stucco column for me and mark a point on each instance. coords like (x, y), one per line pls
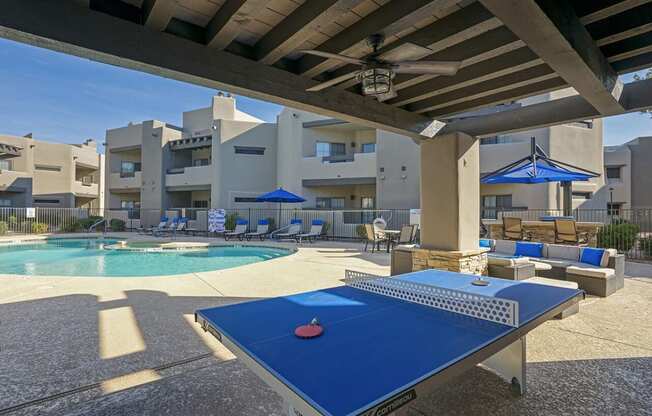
(450, 193)
(450, 209)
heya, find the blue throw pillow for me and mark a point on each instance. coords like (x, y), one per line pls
(592, 256)
(529, 249)
(485, 243)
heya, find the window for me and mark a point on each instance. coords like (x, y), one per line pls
(582, 195)
(367, 202)
(48, 168)
(329, 203)
(249, 150)
(613, 208)
(46, 201)
(491, 204)
(201, 162)
(5, 202)
(613, 172)
(368, 147)
(494, 140)
(326, 149)
(133, 208)
(243, 199)
(128, 169)
(200, 204)
(6, 164)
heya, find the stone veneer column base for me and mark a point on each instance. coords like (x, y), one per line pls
(468, 261)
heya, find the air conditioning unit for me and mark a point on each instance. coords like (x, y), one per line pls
(87, 180)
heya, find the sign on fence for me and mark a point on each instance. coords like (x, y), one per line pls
(30, 212)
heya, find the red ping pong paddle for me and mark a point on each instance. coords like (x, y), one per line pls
(312, 330)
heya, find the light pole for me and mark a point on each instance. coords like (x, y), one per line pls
(611, 200)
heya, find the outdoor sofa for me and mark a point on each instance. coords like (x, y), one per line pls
(597, 271)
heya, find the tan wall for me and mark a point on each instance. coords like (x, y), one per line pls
(397, 188)
(343, 191)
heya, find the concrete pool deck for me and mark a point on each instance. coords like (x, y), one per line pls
(116, 346)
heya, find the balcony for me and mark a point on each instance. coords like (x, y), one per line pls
(191, 176)
(360, 167)
(85, 188)
(119, 182)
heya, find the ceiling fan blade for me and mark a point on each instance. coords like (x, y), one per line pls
(343, 58)
(333, 81)
(427, 67)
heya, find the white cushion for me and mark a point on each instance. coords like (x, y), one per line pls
(608, 252)
(505, 247)
(560, 251)
(563, 263)
(541, 266)
(502, 260)
(553, 282)
(590, 270)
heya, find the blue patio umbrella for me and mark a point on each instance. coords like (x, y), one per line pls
(539, 168)
(281, 196)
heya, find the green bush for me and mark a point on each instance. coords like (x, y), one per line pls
(4, 228)
(619, 235)
(12, 219)
(272, 223)
(117, 225)
(361, 231)
(229, 222)
(325, 228)
(39, 228)
(646, 246)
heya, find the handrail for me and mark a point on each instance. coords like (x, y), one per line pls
(98, 222)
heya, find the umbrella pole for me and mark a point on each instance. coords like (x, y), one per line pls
(567, 201)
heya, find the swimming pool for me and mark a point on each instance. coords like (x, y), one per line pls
(87, 257)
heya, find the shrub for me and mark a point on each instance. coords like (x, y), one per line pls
(117, 225)
(619, 235)
(325, 228)
(272, 223)
(361, 231)
(12, 219)
(229, 221)
(39, 228)
(4, 228)
(646, 246)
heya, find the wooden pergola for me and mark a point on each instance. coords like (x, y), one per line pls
(509, 50)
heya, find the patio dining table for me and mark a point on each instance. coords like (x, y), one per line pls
(392, 236)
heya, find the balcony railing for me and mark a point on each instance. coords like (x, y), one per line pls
(118, 181)
(358, 165)
(189, 176)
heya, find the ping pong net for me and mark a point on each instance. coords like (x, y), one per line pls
(488, 308)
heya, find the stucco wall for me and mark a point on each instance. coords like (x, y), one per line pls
(396, 188)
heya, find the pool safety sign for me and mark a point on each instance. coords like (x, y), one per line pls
(30, 212)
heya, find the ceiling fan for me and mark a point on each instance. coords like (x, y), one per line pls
(378, 70)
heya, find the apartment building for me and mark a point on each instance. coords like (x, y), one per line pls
(223, 158)
(628, 171)
(35, 173)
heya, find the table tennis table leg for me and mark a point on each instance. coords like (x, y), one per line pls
(509, 363)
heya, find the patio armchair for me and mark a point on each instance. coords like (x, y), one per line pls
(513, 229)
(239, 231)
(566, 232)
(380, 225)
(373, 238)
(262, 230)
(316, 229)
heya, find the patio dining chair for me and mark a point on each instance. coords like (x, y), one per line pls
(513, 229)
(566, 232)
(374, 238)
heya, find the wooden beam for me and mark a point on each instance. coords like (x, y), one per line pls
(507, 82)
(552, 30)
(389, 19)
(611, 10)
(636, 96)
(495, 67)
(229, 20)
(67, 28)
(158, 13)
(302, 23)
(509, 95)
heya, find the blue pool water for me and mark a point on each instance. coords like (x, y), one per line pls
(81, 257)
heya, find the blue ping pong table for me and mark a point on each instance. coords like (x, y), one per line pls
(386, 341)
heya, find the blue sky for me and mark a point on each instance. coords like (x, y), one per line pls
(67, 99)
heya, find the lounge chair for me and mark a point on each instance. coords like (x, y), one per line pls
(262, 230)
(150, 230)
(239, 231)
(293, 230)
(316, 228)
(566, 232)
(168, 229)
(374, 238)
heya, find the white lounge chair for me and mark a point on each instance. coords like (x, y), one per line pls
(239, 231)
(150, 230)
(294, 229)
(262, 230)
(316, 228)
(168, 229)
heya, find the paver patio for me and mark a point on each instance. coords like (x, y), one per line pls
(116, 346)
